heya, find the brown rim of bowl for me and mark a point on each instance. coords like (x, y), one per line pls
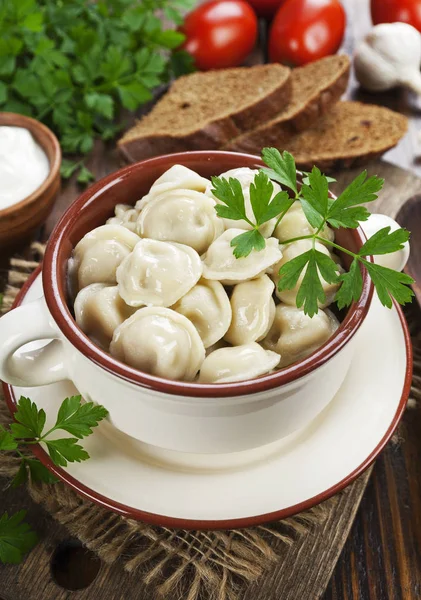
(16, 120)
(60, 312)
(165, 521)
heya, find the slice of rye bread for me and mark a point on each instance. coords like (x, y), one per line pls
(316, 87)
(351, 134)
(202, 111)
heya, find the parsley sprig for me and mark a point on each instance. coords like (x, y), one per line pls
(74, 418)
(313, 266)
(75, 64)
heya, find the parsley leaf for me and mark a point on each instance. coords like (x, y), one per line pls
(384, 242)
(248, 241)
(7, 441)
(16, 538)
(36, 470)
(281, 167)
(390, 284)
(315, 198)
(31, 419)
(344, 211)
(65, 450)
(310, 292)
(230, 193)
(79, 419)
(265, 208)
(352, 285)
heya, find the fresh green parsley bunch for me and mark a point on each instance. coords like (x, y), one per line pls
(347, 211)
(73, 417)
(74, 64)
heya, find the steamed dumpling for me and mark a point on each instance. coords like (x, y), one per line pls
(292, 251)
(294, 224)
(220, 263)
(246, 177)
(99, 310)
(208, 307)
(158, 273)
(175, 178)
(237, 363)
(99, 253)
(125, 215)
(253, 311)
(161, 342)
(295, 335)
(183, 216)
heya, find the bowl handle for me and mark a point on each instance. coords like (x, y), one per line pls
(24, 324)
(395, 260)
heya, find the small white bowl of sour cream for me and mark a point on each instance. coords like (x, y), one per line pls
(30, 159)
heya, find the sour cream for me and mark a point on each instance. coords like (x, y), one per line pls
(24, 166)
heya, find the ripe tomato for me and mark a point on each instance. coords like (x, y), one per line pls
(266, 8)
(220, 33)
(390, 11)
(306, 30)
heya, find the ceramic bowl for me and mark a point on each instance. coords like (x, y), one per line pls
(21, 219)
(185, 417)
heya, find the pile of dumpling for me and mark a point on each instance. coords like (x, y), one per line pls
(158, 286)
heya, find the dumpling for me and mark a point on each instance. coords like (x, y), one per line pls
(292, 251)
(125, 215)
(158, 273)
(237, 363)
(99, 253)
(295, 335)
(253, 311)
(294, 224)
(208, 307)
(183, 216)
(246, 176)
(176, 177)
(220, 263)
(99, 310)
(161, 342)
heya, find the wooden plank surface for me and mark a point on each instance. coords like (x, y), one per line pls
(382, 557)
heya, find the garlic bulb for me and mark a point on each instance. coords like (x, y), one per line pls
(389, 56)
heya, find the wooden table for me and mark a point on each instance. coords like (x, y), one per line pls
(382, 557)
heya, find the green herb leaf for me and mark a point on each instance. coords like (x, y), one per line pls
(311, 291)
(384, 242)
(306, 178)
(85, 175)
(248, 241)
(344, 211)
(65, 450)
(133, 95)
(39, 472)
(7, 441)
(68, 167)
(30, 417)
(16, 538)
(102, 104)
(390, 284)
(230, 193)
(351, 287)
(281, 167)
(21, 476)
(79, 419)
(315, 198)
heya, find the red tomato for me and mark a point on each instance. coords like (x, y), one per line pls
(390, 11)
(306, 30)
(220, 33)
(266, 8)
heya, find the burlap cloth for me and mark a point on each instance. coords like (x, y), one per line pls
(214, 565)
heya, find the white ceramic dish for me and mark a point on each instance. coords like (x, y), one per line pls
(247, 488)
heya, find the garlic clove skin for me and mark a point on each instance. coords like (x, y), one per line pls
(389, 56)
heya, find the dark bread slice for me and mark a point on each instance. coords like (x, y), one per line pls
(315, 88)
(202, 111)
(352, 133)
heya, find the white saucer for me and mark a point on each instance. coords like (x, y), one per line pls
(272, 483)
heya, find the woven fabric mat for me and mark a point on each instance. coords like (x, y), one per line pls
(215, 565)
